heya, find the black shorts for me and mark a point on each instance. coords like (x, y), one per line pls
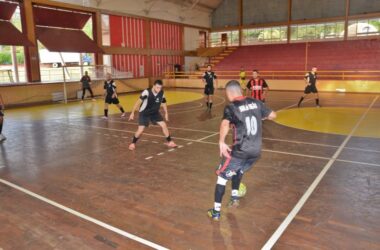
(230, 166)
(209, 90)
(145, 119)
(1, 113)
(311, 89)
(111, 100)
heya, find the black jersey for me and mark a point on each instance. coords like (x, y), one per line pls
(209, 78)
(245, 116)
(151, 102)
(312, 78)
(85, 81)
(110, 87)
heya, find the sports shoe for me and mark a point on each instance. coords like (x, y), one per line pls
(233, 203)
(214, 215)
(2, 138)
(132, 146)
(93, 99)
(318, 106)
(123, 115)
(105, 117)
(171, 144)
(81, 101)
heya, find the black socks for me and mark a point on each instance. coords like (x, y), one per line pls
(210, 104)
(219, 192)
(168, 138)
(122, 110)
(317, 101)
(106, 112)
(300, 101)
(135, 139)
(1, 127)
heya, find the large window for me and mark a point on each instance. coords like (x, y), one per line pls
(225, 38)
(106, 39)
(264, 35)
(366, 27)
(320, 31)
(12, 59)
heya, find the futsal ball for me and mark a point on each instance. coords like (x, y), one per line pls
(242, 190)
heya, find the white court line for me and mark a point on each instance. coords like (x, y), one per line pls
(161, 153)
(204, 138)
(267, 138)
(180, 146)
(171, 150)
(214, 143)
(148, 158)
(84, 217)
(283, 226)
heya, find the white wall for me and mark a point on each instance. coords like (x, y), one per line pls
(190, 62)
(158, 9)
(192, 38)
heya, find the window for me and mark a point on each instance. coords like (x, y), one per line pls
(224, 38)
(12, 58)
(265, 35)
(320, 31)
(366, 27)
(106, 30)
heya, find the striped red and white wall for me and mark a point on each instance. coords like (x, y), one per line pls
(161, 64)
(130, 63)
(127, 32)
(165, 36)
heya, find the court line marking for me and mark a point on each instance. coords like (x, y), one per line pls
(204, 138)
(84, 217)
(214, 143)
(284, 225)
(264, 138)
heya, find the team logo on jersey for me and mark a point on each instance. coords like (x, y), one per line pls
(247, 107)
(157, 100)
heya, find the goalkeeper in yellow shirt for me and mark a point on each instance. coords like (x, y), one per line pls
(242, 79)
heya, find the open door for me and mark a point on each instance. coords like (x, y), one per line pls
(202, 39)
(224, 39)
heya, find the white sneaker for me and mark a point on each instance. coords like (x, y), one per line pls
(123, 115)
(2, 138)
(105, 117)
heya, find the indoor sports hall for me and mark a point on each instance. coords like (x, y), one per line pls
(261, 124)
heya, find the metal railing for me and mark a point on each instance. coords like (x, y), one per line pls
(65, 73)
(285, 75)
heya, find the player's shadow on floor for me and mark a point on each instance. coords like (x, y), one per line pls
(206, 115)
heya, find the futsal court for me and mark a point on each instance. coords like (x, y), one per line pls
(272, 110)
(70, 182)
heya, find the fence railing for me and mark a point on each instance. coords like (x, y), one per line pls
(67, 74)
(324, 75)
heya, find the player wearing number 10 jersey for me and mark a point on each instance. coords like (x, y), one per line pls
(245, 116)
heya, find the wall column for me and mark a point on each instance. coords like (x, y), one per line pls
(31, 52)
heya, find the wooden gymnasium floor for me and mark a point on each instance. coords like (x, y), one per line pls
(68, 181)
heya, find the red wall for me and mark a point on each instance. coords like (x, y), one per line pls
(160, 64)
(130, 63)
(337, 55)
(165, 36)
(127, 32)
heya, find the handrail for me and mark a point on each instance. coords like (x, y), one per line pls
(284, 74)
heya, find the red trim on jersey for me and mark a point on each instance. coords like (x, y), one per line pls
(239, 98)
(257, 93)
(225, 165)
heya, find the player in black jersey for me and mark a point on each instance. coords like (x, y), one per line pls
(111, 96)
(208, 79)
(2, 137)
(311, 86)
(150, 102)
(245, 116)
